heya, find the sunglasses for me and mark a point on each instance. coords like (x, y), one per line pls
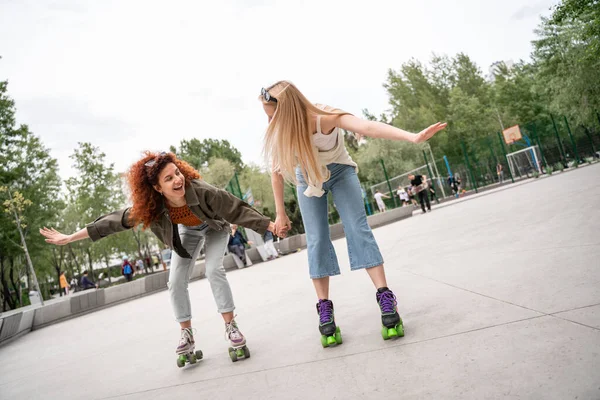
(153, 161)
(267, 96)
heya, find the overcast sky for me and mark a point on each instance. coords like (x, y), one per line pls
(131, 75)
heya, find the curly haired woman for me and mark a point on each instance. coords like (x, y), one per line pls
(185, 213)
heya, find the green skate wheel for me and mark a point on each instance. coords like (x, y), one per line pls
(324, 341)
(239, 353)
(392, 332)
(384, 333)
(338, 335)
(181, 361)
(246, 352)
(330, 340)
(400, 329)
(199, 354)
(233, 355)
(192, 358)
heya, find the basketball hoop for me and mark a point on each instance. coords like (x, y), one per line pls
(512, 134)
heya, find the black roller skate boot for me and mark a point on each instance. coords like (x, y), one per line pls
(330, 333)
(390, 319)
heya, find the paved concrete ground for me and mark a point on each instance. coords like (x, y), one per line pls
(500, 297)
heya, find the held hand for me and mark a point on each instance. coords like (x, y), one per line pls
(55, 237)
(428, 133)
(282, 225)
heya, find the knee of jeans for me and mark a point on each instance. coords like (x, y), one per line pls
(175, 285)
(212, 273)
(316, 231)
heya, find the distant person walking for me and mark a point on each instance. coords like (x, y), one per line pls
(416, 183)
(379, 200)
(500, 172)
(127, 269)
(404, 198)
(64, 284)
(139, 265)
(269, 246)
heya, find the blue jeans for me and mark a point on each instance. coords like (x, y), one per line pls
(347, 196)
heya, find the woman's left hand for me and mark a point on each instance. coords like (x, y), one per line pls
(428, 133)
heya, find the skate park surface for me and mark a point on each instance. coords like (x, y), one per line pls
(500, 298)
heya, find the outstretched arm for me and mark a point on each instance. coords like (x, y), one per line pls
(379, 130)
(106, 225)
(55, 237)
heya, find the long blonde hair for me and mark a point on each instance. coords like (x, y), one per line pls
(288, 140)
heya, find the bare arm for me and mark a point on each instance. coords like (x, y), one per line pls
(278, 188)
(282, 222)
(379, 130)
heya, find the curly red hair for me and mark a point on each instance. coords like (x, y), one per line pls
(147, 202)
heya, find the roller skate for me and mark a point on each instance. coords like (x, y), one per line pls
(186, 351)
(238, 347)
(390, 319)
(330, 333)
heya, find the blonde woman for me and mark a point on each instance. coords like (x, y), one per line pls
(305, 145)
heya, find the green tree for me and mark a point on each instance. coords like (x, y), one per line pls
(199, 153)
(95, 190)
(568, 68)
(218, 172)
(253, 177)
(26, 168)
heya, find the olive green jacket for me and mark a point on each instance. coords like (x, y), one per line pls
(215, 207)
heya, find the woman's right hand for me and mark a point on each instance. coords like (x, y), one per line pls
(282, 225)
(55, 237)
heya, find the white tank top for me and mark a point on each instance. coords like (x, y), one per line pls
(322, 141)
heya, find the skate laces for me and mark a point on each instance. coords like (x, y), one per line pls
(387, 302)
(232, 331)
(187, 336)
(325, 311)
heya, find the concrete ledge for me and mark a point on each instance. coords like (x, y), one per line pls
(124, 291)
(389, 217)
(10, 326)
(336, 231)
(156, 281)
(86, 300)
(254, 255)
(292, 243)
(26, 321)
(229, 263)
(51, 313)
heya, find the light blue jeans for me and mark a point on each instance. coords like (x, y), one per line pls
(193, 238)
(347, 196)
